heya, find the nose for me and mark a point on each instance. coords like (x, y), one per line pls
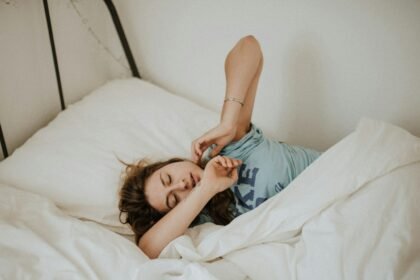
(181, 185)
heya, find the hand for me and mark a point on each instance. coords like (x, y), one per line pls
(220, 135)
(220, 173)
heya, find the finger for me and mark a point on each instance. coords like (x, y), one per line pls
(200, 147)
(197, 149)
(237, 162)
(233, 162)
(220, 160)
(225, 162)
(194, 158)
(234, 174)
(194, 155)
(229, 162)
(195, 144)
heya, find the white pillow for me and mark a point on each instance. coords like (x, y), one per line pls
(74, 160)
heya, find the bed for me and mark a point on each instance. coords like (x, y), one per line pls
(352, 214)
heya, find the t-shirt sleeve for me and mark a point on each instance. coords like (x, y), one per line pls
(242, 148)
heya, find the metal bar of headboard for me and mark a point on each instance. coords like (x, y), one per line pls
(123, 39)
(3, 144)
(121, 36)
(54, 54)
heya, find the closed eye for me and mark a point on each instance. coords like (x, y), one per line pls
(176, 199)
(172, 200)
(168, 180)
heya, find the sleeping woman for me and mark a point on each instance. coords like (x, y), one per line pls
(233, 168)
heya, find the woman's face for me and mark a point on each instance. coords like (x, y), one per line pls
(169, 185)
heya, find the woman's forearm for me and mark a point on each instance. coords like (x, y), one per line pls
(176, 222)
(241, 66)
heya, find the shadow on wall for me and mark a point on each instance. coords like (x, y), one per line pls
(305, 82)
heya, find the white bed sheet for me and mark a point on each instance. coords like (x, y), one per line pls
(39, 241)
(353, 214)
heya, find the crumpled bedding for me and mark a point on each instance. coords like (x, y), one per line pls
(352, 214)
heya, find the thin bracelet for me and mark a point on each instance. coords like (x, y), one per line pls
(234, 100)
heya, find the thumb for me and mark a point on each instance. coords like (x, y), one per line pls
(216, 150)
(234, 175)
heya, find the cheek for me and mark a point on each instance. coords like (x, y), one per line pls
(153, 194)
(198, 170)
(153, 200)
(184, 194)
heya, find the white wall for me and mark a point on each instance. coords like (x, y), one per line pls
(327, 63)
(91, 53)
(29, 96)
(27, 81)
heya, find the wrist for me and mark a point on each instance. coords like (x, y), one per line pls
(229, 124)
(230, 114)
(206, 189)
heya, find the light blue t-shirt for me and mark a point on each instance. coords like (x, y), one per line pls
(268, 166)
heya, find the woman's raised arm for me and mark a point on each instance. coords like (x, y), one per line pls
(243, 67)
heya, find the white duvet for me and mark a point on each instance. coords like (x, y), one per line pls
(353, 214)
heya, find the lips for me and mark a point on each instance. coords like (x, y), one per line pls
(194, 180)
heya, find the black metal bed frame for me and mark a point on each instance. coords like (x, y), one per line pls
(121, 36)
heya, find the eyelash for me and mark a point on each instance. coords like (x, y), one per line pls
(176, 201)
(175, 197)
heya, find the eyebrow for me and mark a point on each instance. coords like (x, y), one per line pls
(167, 197)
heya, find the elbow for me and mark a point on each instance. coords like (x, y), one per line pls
(250, 39)
(247, 47)
(251, 42)
(149, 250)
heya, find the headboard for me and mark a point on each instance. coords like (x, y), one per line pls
(3, 143)
(122, 38)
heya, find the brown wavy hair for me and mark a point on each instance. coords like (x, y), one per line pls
(141, 216)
